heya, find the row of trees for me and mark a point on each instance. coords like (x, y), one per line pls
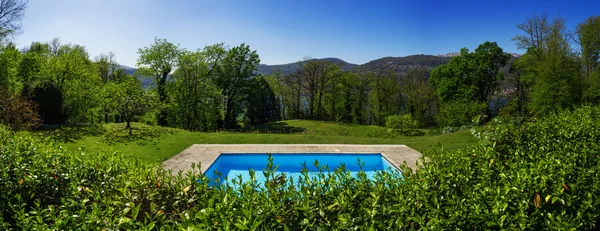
(558, 71)
(321, 90)
(217, 86)
(553, 74)
(207, 89)
(198, 90)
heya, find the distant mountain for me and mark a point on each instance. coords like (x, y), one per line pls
(289, 68)
(397, 64)
(403, 64)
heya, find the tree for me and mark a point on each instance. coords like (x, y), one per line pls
(276, 83)
(472, 75)
(588, 33)
(489, 58)
(261, 104)
(157, 62)
(9, 62)
(11, 14)
(195, 100)
(71, 71)
(107, 66)
(128, 98)
(237, 70)
(385, 95)
(537, 31)
(293, 83)
(552, 67)
(520, 82)
(361, 89)
(419, 97)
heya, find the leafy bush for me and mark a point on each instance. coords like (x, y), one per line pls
(403, 122)
(381, 132)
(458, 113)
(17, 112)
(540, 176)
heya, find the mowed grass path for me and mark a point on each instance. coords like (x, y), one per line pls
(155, 145)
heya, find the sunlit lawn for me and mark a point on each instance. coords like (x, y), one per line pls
(155, 144)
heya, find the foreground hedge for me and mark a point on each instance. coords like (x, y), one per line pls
(543, 175)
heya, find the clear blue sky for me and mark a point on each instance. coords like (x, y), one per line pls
(284, 31)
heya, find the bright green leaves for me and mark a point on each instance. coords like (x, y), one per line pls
(237, 69)
(470, 76)
(157, 62)
(540, 177)
(195, 100)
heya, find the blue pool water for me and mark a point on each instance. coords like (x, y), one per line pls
(230, 166)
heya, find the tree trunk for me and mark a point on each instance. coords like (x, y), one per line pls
(128, 125)
(162, 96)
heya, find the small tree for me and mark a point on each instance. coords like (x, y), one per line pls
(129, 99)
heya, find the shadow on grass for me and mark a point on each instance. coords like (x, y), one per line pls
(140, 134)
(70, 133)
(275, 128)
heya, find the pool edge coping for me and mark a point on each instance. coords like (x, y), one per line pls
(207, 154)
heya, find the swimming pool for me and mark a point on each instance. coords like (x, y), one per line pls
(230, 166)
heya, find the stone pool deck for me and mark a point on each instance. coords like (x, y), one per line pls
(206, 154)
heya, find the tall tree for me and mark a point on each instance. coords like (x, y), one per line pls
(237, 69)
(157, 62)
(195, 100)
(11, 14)
(553, 66)
(294, 89)
(472, 75)
(9, 62)
(276, 82)
(588, 33)
(385, 94)
(419, 97)
(107, 66)
(261, 104)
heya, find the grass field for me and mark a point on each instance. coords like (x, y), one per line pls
(156, 144)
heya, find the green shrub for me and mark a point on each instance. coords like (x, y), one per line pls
(458, 113)
(539, 176)
(403, 122)
(381, 132)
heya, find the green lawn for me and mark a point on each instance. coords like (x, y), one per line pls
(154, 144)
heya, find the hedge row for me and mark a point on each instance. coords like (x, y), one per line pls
(542, 175)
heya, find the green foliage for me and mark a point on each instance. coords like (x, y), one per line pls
(195, 100)
(238, 68)
(157, 62)
(401, 122)
(458, 113)
(262, 107)
(470, 76)
(419, 97)
(588, 33)
(9, 61)
(385, 97)
(128, 98)
(538, 176)
(592, 94)
(550, 69)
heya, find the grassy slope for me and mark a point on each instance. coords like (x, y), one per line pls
(173, 141)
